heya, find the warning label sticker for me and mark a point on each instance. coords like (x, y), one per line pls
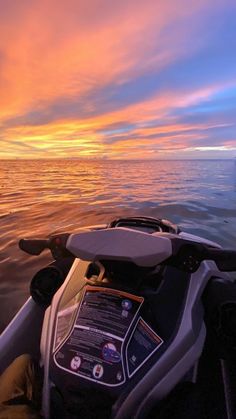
(142, 344)
(94, 348)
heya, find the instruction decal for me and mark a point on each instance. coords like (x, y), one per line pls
(142, 344)
(94, 349)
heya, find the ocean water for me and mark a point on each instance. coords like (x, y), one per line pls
(39, 198)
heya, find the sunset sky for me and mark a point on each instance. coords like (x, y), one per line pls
(118, 79)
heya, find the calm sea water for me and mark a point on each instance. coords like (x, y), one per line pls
(43, 197)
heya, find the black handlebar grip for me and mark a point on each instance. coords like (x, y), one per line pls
(224, 259)
(33, 247)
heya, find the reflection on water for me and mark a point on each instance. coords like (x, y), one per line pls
(41, 197)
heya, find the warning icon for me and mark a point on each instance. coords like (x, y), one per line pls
(75, 363)
(98, 371)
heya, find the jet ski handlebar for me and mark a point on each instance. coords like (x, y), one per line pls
(56, 244)
(224, 259)
(33, 246)
(186, 255)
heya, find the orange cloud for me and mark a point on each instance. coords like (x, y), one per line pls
(52, 49)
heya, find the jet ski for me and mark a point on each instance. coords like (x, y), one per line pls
(137, 312)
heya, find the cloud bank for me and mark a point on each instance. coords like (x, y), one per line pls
(127, 79)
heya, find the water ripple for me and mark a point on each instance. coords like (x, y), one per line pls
(43, 197)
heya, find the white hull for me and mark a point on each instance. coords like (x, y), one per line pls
(22, 335)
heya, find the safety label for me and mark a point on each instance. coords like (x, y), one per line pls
(94, 348)
(142, 344)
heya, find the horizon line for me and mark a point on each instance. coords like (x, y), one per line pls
(114, 159)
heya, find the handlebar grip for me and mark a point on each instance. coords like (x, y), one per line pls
(33, 247)
(224, 259)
